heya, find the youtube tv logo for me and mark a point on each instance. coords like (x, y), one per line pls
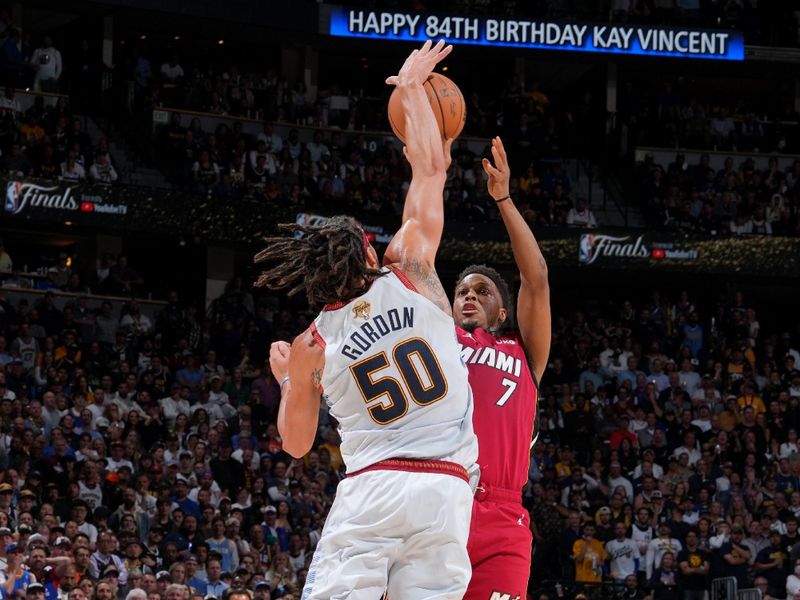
(87, 206)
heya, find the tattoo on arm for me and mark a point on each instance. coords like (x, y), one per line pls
(427, 278)
(316, 377)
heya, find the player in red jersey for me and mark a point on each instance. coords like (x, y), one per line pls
(503, 371)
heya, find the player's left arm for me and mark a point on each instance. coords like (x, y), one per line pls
(299, 369)
(533, 303)
(413, 248)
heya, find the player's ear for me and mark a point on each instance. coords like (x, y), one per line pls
(372, 258)
(503, 315)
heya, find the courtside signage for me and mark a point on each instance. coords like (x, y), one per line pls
(537, 35)
(24, 197)
(621, 249)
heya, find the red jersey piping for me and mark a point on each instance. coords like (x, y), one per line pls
(415, 465)
(402, 277)
(317, 337)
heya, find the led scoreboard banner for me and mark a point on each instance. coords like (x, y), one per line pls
(539, 35)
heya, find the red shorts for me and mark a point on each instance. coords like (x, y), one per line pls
(499, 546)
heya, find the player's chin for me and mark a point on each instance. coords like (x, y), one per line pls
(469, 324)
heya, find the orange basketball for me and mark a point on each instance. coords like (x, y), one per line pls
(447, 102)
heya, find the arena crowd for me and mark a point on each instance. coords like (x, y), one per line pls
(141, 456)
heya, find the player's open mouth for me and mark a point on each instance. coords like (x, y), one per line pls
(469, 309)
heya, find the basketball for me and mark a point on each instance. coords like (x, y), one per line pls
(446, 100)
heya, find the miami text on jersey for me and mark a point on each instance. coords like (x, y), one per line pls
(492, 358)
(378, 326)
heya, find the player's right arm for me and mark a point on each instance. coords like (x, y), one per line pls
(533, 302)
(413, 248)
(298, 416)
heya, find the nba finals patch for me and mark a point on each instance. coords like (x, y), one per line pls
(361, 309)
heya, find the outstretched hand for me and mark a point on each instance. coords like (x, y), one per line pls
(420, 63)
(499, 173)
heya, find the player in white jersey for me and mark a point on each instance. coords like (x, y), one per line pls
(384, 352)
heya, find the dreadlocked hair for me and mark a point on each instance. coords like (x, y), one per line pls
(502, 287)
(327, 261)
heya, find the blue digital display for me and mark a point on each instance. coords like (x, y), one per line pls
(633, 40)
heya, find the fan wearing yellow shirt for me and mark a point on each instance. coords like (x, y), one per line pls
(589, 556)
(750, 398)
(332, 446)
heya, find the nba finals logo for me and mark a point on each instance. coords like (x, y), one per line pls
(20, 196)
(13, 196)
(586, 249)
(361, 309)
(593, 246)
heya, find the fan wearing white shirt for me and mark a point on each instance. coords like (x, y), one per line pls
(273, 141)
(47, 62)
(123, 399)
(117, 459)
(790, 446)
(171, 71)
(793, 582)
(658, 547)
(690, 380)
(176, 404)
(703, 422)
(213, 409)
(217, 396)
(72, 170)
(102, 171)
(623, 554)
(581, 215)
(648, 467)
(689, 447)
(617, 479)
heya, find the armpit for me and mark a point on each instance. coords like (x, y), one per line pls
(427, 282)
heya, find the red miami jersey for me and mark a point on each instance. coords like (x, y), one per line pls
(504, 393)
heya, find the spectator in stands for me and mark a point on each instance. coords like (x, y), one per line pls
(660, 546)
(205, 173)
(581, 215)
(123, 279)
(16, 164)
(102, 171)
(71, 170)
(172, 71)
(10, 108)
(588, 555)
(664, 582)
(46, 61)
(723, 130)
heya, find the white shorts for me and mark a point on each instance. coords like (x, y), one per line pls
(402, 531)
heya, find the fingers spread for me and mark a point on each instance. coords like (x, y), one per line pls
(499, 159)
(490, 170)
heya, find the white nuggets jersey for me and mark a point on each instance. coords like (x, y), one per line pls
(394, 379)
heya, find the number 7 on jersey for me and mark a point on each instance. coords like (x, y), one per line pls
(510, 386)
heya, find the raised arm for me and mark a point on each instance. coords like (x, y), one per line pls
(298, 369)
(413, 248)
(533, 303)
